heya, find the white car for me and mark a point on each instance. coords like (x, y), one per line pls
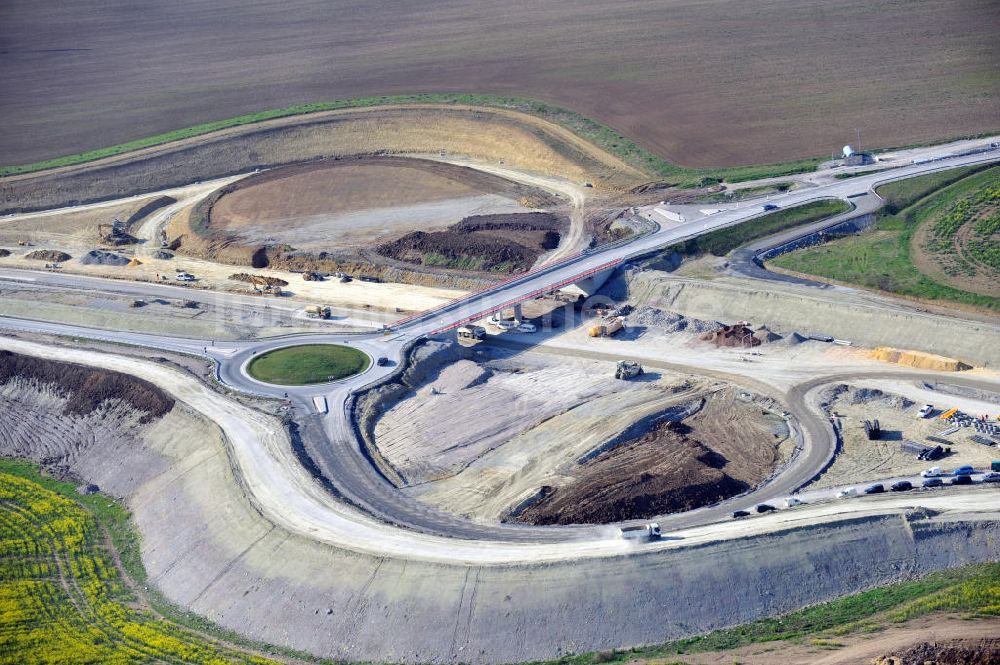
(847, 492)
(184, 277)
(925, 410)
(504, 324)
(792, 501)
(527, 328)
(932, 472)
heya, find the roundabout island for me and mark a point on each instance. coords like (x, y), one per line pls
(308, 364)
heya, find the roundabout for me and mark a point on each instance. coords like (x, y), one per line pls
(307, 364)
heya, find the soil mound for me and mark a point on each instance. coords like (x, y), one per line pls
(732, 336)
(487, 243)
(766, 336)
(258, 280)
(97, 257)
(947, 652)
(87, 388)
(48, 255)
(919, 359)
(793, 339)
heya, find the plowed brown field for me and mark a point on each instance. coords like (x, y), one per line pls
(701, 84)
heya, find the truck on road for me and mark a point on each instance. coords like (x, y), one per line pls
(317, 312)
(471, 332)
(649, 531)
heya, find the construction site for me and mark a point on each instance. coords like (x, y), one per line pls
(547, 421)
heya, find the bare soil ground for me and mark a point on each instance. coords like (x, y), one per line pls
(727, 448)
(674, 77)
(940, 638)
(593, 448)
(862, 460)
(351, 203)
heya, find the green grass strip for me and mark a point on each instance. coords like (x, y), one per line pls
(597, 133)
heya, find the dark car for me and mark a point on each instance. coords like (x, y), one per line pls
(902, 486)
(961, 480)
(740, 513)
(770, 206)
(874, 489)
(933, 482)
(765, 508)
(382, 361)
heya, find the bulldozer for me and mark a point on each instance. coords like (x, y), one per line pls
(627, 369)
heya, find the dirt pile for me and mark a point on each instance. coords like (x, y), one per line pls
(48, 255)
(258, 280)
(86, 388)
(97, 257)
(732, 336)
(653, 317)
(483, 243)
(919, 359)
(947, 652)
(721, 451)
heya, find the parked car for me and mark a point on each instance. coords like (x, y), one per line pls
(933, 482)
(932, 472)
(847, 492)
(877, 488)
(964, 471)
(765, 508)
(527, 328)
(992, 477)
(184, 277)
(792, 501)
(902, 486)
(925, 411)
(504, 324)
(740, 513)
(961, 480)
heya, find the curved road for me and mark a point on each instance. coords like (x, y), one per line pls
(335, 448)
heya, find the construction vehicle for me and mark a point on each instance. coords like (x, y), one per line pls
(948, 414)
(471, 332)
(627, 369)
(649, 531)
(607, 328)
(317, 312)
(995, 465)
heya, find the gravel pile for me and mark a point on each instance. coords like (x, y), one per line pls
(97, 257)
(874, 395)
(652, 317)
(163, 254)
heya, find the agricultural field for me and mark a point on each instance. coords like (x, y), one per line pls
(673, 77)
(940, 243)
(62, 596)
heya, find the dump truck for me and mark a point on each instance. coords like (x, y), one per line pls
(627, 369)
(471, 332)
(317, 312)
(607, 328)
(649, 531)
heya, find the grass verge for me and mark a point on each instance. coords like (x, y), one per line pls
(599, 134)
(308, 364)
(973, 591)
(723, 241)
(881, 258)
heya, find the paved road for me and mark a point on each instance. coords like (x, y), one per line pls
(354, 477)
